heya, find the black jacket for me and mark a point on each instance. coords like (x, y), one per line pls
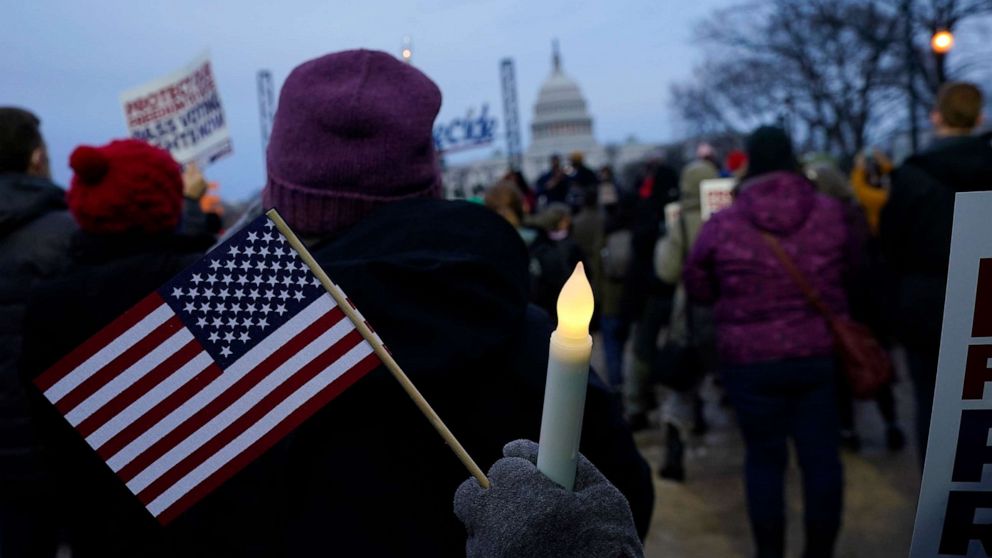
(34, 235)
(445, 284)
(107, 275)
(915, 228)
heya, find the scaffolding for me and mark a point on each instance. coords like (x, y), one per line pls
(511, 115)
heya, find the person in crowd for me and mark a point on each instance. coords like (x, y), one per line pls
(736, 164)
(865, 285)
(582, 179)
(547, 265)
(615, 258)
(915, 231)
(678, 409)
(588, 228)
(776, 350)
(528, 196)
(35, 229)
(608, 194)
(871, 179)
(525, 514)
(556, 221)
(706, 152)
(127, 199)
(554, 185)
(195, 220)
(646, 299)
(445, 283)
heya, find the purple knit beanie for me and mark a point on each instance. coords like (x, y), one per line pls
(353, 132)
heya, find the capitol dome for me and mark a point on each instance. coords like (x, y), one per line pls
(561, 121)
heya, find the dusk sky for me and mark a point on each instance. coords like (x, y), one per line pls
(70, 61)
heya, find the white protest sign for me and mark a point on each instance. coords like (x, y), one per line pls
(716, 194)
(954, 515)
(180, 112)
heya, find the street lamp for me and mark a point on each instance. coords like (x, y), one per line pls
(407, 52)
(941, 43)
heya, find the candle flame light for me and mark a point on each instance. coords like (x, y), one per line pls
(575, 306)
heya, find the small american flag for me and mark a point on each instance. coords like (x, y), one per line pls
(205, 374)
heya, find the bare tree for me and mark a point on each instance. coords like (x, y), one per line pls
(832, 71)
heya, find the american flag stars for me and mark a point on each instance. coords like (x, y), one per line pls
(231, 296)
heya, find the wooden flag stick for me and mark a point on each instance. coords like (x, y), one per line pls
(380, 349)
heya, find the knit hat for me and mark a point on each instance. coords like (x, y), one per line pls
(353, 131)
(126, 185)
(735, 160)
(769, 149)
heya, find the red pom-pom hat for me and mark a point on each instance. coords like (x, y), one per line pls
(124, 186)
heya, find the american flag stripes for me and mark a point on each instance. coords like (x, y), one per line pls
(208, 372)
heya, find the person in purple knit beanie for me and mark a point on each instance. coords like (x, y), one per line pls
(352, 132)
(353, 170)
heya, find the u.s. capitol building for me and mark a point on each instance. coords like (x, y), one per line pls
(561, 124)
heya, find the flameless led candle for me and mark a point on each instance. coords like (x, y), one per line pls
(568, 376)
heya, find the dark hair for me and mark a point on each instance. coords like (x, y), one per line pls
(960, 104)
(769, 149)
(19, 137)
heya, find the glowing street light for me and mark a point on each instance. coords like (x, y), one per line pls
(942, 41)
(407, 52)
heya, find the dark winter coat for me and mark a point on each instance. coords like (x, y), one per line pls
(761, 314)
(915, 229)
(445, 284)
(648, 225)
(107, 276)
(34, 236)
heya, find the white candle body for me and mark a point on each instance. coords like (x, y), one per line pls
(564, 403)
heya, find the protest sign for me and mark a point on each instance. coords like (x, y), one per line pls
(954, 515)
(716, 194)
(180, 112)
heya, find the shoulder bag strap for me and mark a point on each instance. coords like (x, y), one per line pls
(811, 295)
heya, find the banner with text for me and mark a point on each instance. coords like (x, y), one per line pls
(716, 194)
(182, 113)
(954, 515)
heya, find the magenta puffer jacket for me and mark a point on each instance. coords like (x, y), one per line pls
(761, 314)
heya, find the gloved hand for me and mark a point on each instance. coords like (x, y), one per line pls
(525, 514)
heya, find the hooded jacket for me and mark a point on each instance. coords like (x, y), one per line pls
(34, 236)
(761, 314)
(915, 228)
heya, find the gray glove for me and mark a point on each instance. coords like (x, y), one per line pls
(525, 514)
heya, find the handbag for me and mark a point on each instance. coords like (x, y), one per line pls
(679, 366)
(864, 361)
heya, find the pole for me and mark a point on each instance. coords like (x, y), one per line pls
(380, 349)
(907, 9)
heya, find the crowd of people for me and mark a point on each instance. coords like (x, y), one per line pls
(722, 298)
(466, 296)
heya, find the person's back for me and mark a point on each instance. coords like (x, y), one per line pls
(34, 236)
(915, 231)
(761, 313)
(127, 199)
(445, 284)
(449, 296)
(777, 352)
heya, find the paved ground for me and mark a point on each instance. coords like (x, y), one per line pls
(706, 517)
